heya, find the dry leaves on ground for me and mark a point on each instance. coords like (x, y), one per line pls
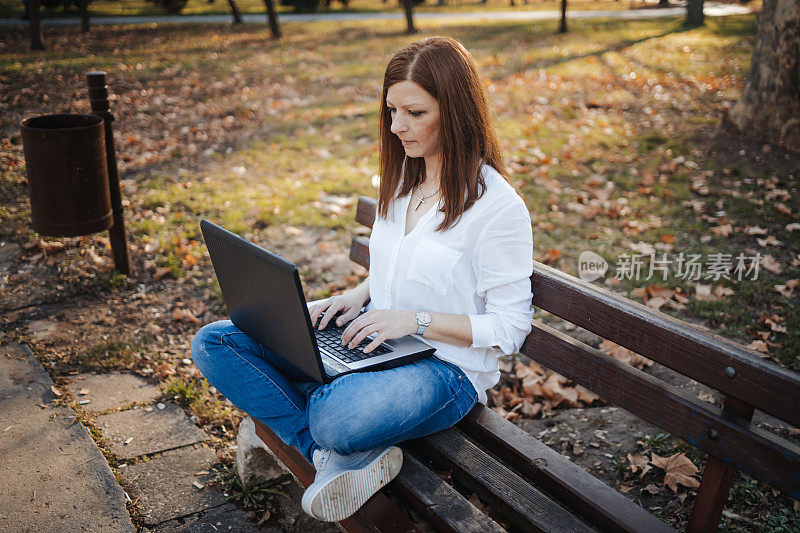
(678, 470)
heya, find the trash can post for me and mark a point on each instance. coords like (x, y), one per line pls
(98, 98)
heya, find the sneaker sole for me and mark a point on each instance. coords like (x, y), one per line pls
(346, 493)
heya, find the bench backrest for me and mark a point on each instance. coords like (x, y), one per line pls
(746, 381)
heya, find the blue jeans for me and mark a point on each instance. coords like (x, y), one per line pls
(356, 412)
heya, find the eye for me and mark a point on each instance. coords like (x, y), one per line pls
(416, 114)
(392, 110)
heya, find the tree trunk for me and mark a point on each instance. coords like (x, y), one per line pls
(35, 25)
(83, 6)
(770, 104)
(694, 13)
(563, 27)
(237, 15)
(272, 16)
(663, 3)
(408, 5)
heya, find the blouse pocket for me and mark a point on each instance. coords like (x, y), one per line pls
(432, 265)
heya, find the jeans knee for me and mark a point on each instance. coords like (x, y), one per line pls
(208, 335)
(332, 432)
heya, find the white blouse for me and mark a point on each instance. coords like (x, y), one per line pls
(480, 267)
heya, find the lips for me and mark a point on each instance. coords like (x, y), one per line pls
(406, 143)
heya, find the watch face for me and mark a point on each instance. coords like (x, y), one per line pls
(424, 317)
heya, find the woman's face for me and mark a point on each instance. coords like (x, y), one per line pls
(415, 118)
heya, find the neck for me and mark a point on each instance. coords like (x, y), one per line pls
(433, 169)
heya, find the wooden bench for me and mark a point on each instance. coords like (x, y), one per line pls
(531, 487)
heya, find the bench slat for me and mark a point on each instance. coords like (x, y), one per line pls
(378, 515)
(669, 341)
(524, 505)
(752, 450)
(560, 477)
(365, 211)
(359, 252)
(438, 502)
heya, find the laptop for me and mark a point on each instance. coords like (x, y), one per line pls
(265, 300)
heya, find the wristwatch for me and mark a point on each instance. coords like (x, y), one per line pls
(423, 321)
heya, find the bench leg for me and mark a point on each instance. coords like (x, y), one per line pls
(711, 496)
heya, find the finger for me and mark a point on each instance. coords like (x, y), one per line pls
(317, 310)
(361, 335)
(332, 310)
(344, 318)
(353, 328)
(366, 318)
(376, 342)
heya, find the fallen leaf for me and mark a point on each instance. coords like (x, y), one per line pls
(723, 231)
(56, 390)
(678, 469)
(769, 263)
(755, 230)
(623, 354)
(787, 289)
(769, 241)
(759, 346)
(639, 463)
(184, 315)
(160, 273)
(653, 489)
(705, 396)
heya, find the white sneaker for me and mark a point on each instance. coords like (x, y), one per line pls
(344, 482)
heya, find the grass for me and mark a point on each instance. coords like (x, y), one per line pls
(256, 497)
(107, 355)
(195, 394)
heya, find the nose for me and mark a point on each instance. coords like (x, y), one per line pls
(398, 124)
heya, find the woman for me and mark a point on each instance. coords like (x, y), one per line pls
(450, 260)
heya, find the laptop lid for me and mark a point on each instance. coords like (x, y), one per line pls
(265, 300)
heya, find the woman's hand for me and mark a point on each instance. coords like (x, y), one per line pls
(348, 304)
(386, 323)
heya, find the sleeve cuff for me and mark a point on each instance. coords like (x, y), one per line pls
(482, 331)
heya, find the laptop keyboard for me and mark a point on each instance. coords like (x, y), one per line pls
(330, 339)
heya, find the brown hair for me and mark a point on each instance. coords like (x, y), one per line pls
(445, 69)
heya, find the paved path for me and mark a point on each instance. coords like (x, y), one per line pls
(53, 475)
(712, 9)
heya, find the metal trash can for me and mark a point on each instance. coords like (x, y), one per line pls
(65, 155)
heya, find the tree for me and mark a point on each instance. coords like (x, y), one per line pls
(770, 104)
(237, 15)
(35, 25)
(562, 28)
(83, 6)
(694, 13)
(408, 5)
(272, 18)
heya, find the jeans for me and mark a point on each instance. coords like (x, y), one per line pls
(356, 412)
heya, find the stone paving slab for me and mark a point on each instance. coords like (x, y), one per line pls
(51, 473)
(162, 486)
(227, 517)
(148, 432)
(112, 391)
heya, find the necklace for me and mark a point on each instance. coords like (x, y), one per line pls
(425, 197)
